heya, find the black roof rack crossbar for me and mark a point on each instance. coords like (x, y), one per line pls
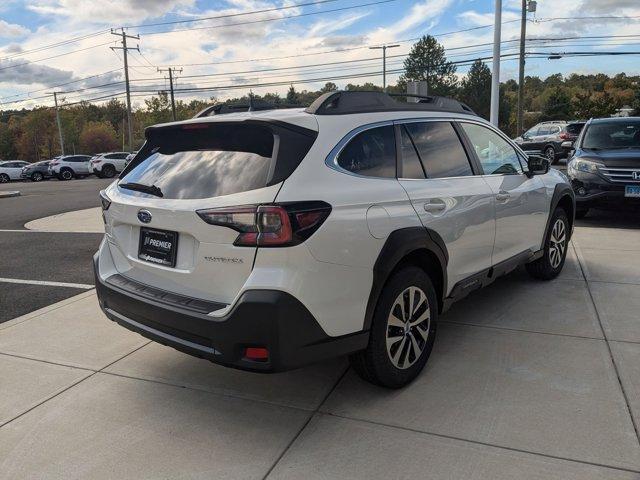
(254, 106)
(349, 102)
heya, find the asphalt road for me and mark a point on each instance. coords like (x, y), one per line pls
(39, 256)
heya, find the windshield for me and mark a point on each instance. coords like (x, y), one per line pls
(612, 135)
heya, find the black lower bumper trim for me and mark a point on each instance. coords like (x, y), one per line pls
(260, 318)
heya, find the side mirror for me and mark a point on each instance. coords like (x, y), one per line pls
(538, 165)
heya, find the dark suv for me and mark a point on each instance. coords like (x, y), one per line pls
(605, 166)
(552, 139)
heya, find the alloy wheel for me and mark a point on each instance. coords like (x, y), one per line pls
(550, 153)
(557, 243)
(408, 326)
(66, 175)
(4, 179)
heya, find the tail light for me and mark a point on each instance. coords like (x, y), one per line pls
(55, 162)
(564, 136)
(95, 161)
(104, 200)
(277, 225)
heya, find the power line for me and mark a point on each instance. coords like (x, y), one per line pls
(54, 45)
(15, 65)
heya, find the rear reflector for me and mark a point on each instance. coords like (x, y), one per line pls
(257, 354)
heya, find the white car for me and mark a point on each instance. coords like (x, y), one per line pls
(67, 167)
(11, 170)
(107, 165)
(268, 240)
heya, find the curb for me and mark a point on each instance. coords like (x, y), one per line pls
(9, 194)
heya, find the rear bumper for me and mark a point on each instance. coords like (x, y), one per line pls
(260, 318)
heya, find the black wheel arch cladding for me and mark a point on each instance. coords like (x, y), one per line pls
(402, 244)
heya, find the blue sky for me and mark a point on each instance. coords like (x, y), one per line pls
(313, 35)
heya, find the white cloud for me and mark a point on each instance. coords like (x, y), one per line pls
(12, 30)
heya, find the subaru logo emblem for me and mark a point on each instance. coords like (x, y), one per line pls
(144, 216)
(636, 175)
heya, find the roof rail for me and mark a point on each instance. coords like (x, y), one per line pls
(222, 108)
(348, 102)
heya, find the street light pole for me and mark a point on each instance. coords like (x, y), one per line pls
(384, 62)
(495, 73)
(526, 7)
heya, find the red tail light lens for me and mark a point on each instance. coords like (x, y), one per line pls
(564, 136)
(270, 225)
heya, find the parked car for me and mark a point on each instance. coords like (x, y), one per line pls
(569, 135)
(107, 165)
(11, 170)
(129, 158)
(605, 166)
(67, 167)
(269, 241)
(545, 139)
(36, 172)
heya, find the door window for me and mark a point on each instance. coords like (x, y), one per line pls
(439, 149)
(371, 153)
(496, 155)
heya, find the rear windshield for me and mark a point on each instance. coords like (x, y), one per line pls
(617, 134)
(575, 128)
(214, 159)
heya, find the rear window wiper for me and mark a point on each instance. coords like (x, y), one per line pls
(141, 187)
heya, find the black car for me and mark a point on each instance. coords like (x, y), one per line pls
(569, 135)
(605, 166)
(544, 139)
(36, 171)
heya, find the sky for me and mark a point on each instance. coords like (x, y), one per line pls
(266, 45)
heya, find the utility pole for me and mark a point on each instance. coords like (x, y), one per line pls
(125, 49)
(527, 6)
(173, 102)
(55, 100)
(384, 63)
(495, 73)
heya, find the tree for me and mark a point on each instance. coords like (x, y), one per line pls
(557, 106)
(329, 87)
(98, 137)
(475, 89)
(427, 61)
(292, 96)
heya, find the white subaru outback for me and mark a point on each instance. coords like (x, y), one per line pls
(269, 240)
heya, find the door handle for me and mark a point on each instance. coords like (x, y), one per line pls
(503, 196)
(434, 207)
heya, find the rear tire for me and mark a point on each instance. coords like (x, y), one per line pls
(65, 174)
(550, 153)
(556, 244)
(37, 177)
(402, 332)
(108, 171)
(581, 213)
(4, 178)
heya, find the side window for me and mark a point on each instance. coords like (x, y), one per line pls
(371, 153)
(496, 155)
(439, 149)
(532, 132)
(411, 166)
(544, 131)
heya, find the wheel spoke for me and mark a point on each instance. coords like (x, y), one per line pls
(416, 348)
(394, 321)
(426, 315)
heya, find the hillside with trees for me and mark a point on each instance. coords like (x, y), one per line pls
(89, 128)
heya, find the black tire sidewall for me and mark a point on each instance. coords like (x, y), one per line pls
(387, 374)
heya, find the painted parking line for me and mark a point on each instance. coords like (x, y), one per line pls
(45, 283)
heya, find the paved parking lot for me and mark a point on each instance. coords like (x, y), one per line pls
(526, 380)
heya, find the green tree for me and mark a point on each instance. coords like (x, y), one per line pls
(427, 61)
(292, 96)
(98, 137)
(557, 105)
(475, 89)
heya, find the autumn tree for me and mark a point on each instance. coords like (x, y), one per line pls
(98, 137)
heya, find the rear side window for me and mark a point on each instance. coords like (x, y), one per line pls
(439, 149)
(214, 159)
(575, 128)
(371, 153)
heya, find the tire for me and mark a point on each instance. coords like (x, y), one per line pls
(395, 363)
(581, 213)
(108, 171)
(66, 174)
(550, 153)
(556, 243)
(37, 177)
(4, 178)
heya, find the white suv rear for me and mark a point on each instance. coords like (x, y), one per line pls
(269, 240)
(107, 165)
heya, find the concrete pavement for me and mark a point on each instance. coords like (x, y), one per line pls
(527, 380)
